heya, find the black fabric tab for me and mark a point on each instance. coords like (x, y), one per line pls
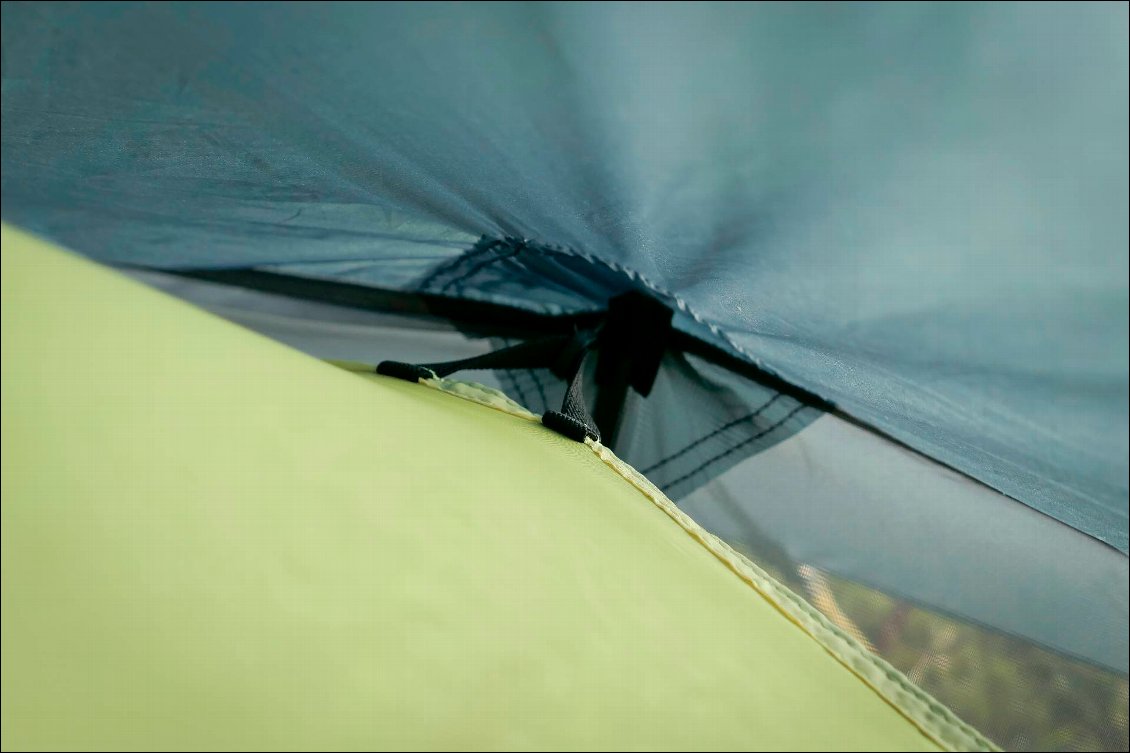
(564, 355)
(632, 342)
(409, 372)
(566, 426)
(633, 339)
(573, 405)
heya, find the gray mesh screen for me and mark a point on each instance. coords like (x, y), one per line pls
(1020, 695)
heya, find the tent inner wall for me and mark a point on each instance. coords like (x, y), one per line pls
(942, 576)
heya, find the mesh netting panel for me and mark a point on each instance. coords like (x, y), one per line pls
(1019, 695)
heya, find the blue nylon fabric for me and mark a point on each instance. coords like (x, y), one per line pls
(916, 211)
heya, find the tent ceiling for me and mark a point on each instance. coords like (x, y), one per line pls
(917, 212)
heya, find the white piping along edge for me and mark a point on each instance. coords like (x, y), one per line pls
(933, 719)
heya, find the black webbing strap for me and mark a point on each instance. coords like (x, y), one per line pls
(564, 355)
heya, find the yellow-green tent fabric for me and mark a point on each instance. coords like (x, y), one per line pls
(211, 541)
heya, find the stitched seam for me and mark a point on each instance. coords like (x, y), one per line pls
(631, 274)
(481, 266)
(506, 375)
(930, 717)
(927, 449)
(736, 447)
(719, 430)
(482, 247)
(933, 719)
(481, 395)
(541, 388)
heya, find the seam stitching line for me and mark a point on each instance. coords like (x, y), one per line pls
(482, 265)
(711, 435)
(541, 388)
(631, 274)
(934, 720)
(506, 376)
(770, 429)
(480, 248)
